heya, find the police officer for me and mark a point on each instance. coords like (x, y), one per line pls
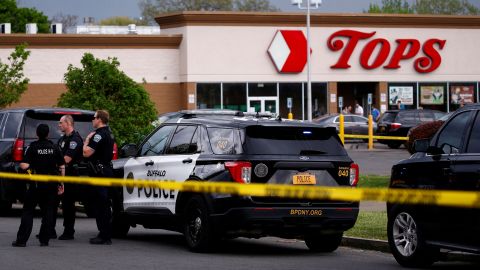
(42, 157)
(98, 148)
(71, 144)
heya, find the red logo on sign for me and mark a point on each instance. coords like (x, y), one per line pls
(406, 49)
(288, 51)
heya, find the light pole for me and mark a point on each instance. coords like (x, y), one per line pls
(311, 4)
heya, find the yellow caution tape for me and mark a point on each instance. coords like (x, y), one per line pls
(376, 137)
(409, 196)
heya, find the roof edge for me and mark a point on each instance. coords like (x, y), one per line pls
(220, 18)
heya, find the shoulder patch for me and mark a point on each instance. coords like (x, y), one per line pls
(73, 145)
(62, 145)
(97, 138)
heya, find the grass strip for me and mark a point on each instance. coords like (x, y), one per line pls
(370, 225)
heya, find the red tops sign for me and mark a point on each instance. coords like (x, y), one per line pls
(405, 49)
(288, 51)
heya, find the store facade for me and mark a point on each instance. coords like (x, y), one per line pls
(257, 61)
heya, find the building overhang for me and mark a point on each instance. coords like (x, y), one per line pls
(91, 41)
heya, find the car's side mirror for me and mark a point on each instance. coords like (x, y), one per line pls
(421, 145)
(129, 150)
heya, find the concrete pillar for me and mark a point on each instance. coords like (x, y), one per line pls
(332, 90)
(382, 90)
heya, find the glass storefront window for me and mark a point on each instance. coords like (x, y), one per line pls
(433, 96)
(208, 96)
(404, 92)
(262, 89)
(235, 96)
(319, 99)
(293, 91)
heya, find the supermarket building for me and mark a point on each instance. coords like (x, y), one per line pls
(257, 61)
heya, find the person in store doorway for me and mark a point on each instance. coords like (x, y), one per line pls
(375, 114)
(400, 105)
(358, 109)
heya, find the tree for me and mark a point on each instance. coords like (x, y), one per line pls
(18, 17)
(120, 20)
(12, 81)
(99, 84)
(66, 20)
(448, 7)
(152, 8)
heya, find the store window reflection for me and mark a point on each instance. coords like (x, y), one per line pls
(208, 96)
(293, 91)
(235, 96)
(319, 99)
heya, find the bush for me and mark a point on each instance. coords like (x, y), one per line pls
(99, 84)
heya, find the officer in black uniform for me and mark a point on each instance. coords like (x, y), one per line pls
(98, 148)
(71, 144)
(42, 157)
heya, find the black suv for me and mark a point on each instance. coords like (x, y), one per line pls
(18, 130)
(242, 150)
(448, 161)
(398, 122)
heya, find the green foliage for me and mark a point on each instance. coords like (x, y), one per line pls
(12, 81)
(120, 20)
(447, 7)
(99, 84)
(391, 6)
(18, 17)
(152, 8)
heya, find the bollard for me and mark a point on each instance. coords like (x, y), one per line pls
(342, 129)
(290, 116)
(370, 132)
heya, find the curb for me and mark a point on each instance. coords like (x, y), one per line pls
(382, 246)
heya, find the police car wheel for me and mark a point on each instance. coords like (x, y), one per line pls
(406, 240)
(5, 207)
(197, 226)
(120, 226)
(323, 243)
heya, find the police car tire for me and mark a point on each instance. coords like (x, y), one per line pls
(423, 255)
(5, 207)
(120, 226)
(323, 243)
(198, 229)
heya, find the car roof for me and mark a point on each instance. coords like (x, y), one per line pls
(242, 122)
(54, 110)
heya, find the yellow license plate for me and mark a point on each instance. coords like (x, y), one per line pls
(304, 179)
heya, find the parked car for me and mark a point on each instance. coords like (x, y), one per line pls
(243, 150)
(354, 124)
(18, 130)
(397, 123)
(448, 161)
(424, 131)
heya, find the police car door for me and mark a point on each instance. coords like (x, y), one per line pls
(159, 162)
(143, 167)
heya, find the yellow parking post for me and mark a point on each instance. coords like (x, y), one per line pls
(290, 116)
(342, 129)
(370, 132)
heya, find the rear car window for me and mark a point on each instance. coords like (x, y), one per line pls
(11, 125)
(389, 117)
(407, 117)
(225, 141)
(268, 140)
(82, 124)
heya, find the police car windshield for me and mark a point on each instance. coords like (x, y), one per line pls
(266, 140)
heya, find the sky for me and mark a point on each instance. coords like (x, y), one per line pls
(101, 9)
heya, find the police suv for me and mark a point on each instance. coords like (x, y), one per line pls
(232, 147)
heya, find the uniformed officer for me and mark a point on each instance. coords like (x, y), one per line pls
(71, 144)
(42, 157)
(98, 148)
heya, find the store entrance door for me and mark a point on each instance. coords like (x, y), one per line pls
(263, 104)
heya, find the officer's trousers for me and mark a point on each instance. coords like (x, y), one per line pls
(44, 194)
(101, 207)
